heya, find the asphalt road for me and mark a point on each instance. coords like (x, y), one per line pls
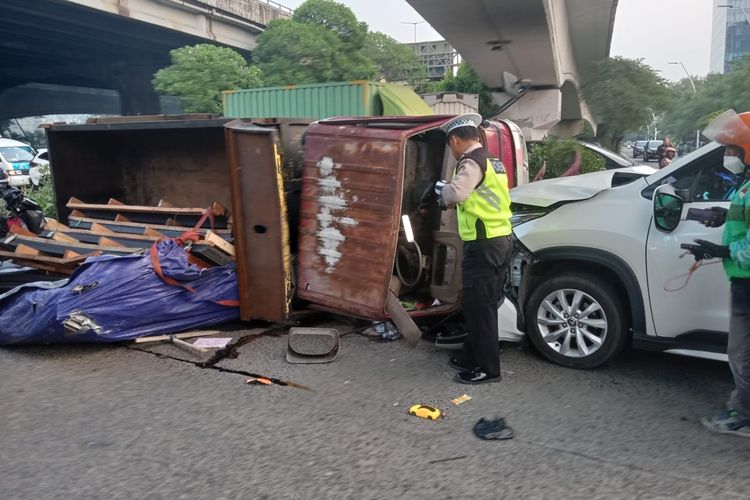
(110, 422)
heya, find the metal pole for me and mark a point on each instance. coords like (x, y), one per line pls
(692, 84)
(415, 27)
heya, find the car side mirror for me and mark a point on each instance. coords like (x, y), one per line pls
(667, 211)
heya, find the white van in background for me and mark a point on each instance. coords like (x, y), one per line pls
(15, 160)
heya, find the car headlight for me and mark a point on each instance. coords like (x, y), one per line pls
(523, 217)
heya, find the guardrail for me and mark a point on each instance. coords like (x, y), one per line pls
(277, 6)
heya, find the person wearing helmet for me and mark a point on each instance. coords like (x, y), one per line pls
(661, 151)
(733, 131)
(669, 153)
(479, 189)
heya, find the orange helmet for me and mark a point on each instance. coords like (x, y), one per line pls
(731, 129)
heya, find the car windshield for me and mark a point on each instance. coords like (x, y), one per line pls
(17, 153)
(641, 143)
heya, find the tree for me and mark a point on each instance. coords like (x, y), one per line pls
(467, 81)
(714, 94)
(336, 17)
(395, 62)
(323, 42)
(199, 73)
(620, 92)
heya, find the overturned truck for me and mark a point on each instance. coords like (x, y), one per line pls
(335, 214)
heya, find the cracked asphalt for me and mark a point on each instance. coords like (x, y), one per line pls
(111, 422)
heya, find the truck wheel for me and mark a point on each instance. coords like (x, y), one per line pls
(576, 321)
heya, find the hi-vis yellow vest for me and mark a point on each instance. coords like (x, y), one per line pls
(486, 212)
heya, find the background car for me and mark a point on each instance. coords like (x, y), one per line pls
(41, 158)
(649, 150)
(15, 160)
(39, 170)
(611, 159)
(638, 148)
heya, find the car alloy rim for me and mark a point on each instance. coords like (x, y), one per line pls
(572, 323)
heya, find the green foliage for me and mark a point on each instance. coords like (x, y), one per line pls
(199, 73)
(714, 94)
(395, 62)
(468, 82)
(44, 195)
(619, 92)
(337, 18)
(559, 154)
(323, 42)
(294, 53)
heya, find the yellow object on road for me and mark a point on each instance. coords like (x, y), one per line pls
(425, 411)
(461, 399)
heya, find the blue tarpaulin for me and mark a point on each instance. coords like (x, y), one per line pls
(110, 299)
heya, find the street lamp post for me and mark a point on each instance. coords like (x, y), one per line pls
(415, 27)
(692, 84)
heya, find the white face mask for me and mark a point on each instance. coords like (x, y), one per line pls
(734, 164)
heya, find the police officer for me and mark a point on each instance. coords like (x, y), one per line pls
(479, 189)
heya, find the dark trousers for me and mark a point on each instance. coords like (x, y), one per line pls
(738, 349)
(484, 268)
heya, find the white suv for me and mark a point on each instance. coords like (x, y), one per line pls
(593, 272)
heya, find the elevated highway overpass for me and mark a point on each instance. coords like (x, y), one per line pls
(116, 45)
(548, 42)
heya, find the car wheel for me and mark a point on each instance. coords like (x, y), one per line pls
(576, 321)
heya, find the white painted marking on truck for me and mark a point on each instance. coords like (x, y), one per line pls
(331, 200)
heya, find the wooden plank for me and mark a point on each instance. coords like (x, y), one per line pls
(220, 243)
(42, 258)
(186, 335)
(62, 237)
(98, 228)
(184, 220)
(62, 269)
(70, 254)
(111, 234)
(53, 224)
(20, 230)
(163, 203)
(113, 201)
(150, 231)
(107, 242)
(73, 203)
(73, 219)
(26, 250)
(51, 246)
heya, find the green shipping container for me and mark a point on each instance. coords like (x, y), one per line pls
(325, 100)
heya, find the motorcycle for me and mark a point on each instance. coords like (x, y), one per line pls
(24, 212)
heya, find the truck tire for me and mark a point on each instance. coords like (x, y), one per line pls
(576, 320)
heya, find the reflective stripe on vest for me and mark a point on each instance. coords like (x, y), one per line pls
(487, 209)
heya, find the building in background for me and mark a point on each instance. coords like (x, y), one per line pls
(438, 56)
(730, 39)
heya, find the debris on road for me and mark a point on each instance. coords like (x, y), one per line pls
(121, 298)
(492, 429)
(184, 335)
(258, 380)
(312, 345)
(425, 411)
(214, 343)
(115, 228)
(461, 399)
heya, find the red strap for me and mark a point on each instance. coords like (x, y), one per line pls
(172, 282)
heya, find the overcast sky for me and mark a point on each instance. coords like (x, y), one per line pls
(686, 35)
